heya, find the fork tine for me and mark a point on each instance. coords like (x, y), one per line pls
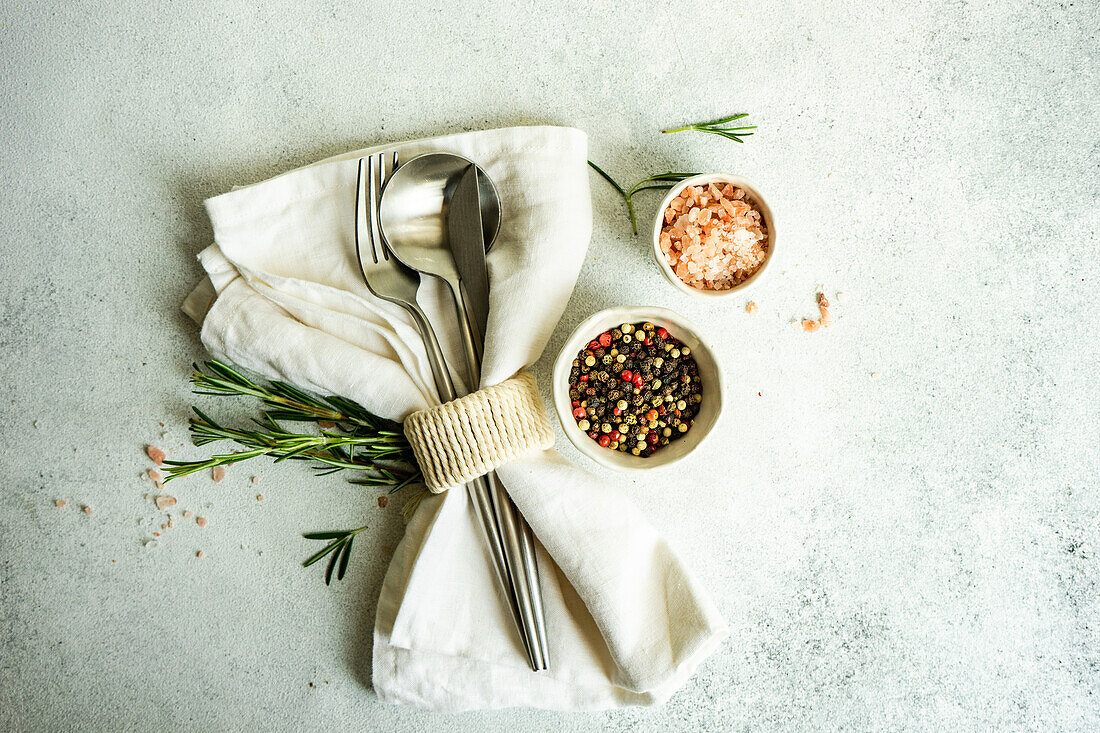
(373, 180)
(362, 228)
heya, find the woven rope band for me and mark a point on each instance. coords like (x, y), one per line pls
(460, 440)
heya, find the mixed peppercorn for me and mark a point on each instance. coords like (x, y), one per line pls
(635, 389)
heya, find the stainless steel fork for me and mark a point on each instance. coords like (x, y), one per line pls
(388, 279)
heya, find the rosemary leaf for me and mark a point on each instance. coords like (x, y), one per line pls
(344, 556)
(331, 566)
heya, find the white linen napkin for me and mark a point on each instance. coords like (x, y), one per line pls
(626, 622)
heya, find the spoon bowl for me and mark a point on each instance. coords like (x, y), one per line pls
(413, 211)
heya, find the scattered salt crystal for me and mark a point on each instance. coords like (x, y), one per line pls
(810, 326)
(187, 514)
(200, 554)
(59, 502)
(217, 473)
(751, 307)
(171, 522)
(874, 375)
(201, 521)
(259, 497)
(383, 501)
(840, 297)
(87, 509)
(255, 479)
(163, 502)
(156, 455)
(149, 544)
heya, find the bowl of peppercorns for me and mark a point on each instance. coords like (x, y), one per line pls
(636, 388)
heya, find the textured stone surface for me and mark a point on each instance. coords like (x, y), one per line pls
(915, 550)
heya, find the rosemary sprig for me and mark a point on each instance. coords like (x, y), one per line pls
(657, 181)
(330, 450)
(366, 443)
(339, 548)
(719, 127)
(349, 437)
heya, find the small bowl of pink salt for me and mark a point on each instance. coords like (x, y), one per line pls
(714, 235)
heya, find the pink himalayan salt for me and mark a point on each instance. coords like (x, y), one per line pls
(713, 238)
(156, 455)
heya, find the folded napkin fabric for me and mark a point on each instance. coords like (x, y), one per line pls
(626, 622)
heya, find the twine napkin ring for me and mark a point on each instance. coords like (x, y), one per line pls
(460, 440)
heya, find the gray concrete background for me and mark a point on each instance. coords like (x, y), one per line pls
(912, 550)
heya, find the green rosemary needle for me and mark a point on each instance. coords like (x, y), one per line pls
(719, 127)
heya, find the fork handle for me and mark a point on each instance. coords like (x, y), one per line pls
(438, 365)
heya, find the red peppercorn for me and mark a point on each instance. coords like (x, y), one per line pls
(651, 438)
(615, 435)
(579, 412)
(604, 441)
(651, 415)
(584, 377)
(594, 435)
(661, 410)
(648, 342)
(662, 332)
(616, 411)
(627, 375)
(638, 381)
(576, 403)
(594, 345)
(605, 339)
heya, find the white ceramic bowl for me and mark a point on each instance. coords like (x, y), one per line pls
(709, 372)
(757, 199)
